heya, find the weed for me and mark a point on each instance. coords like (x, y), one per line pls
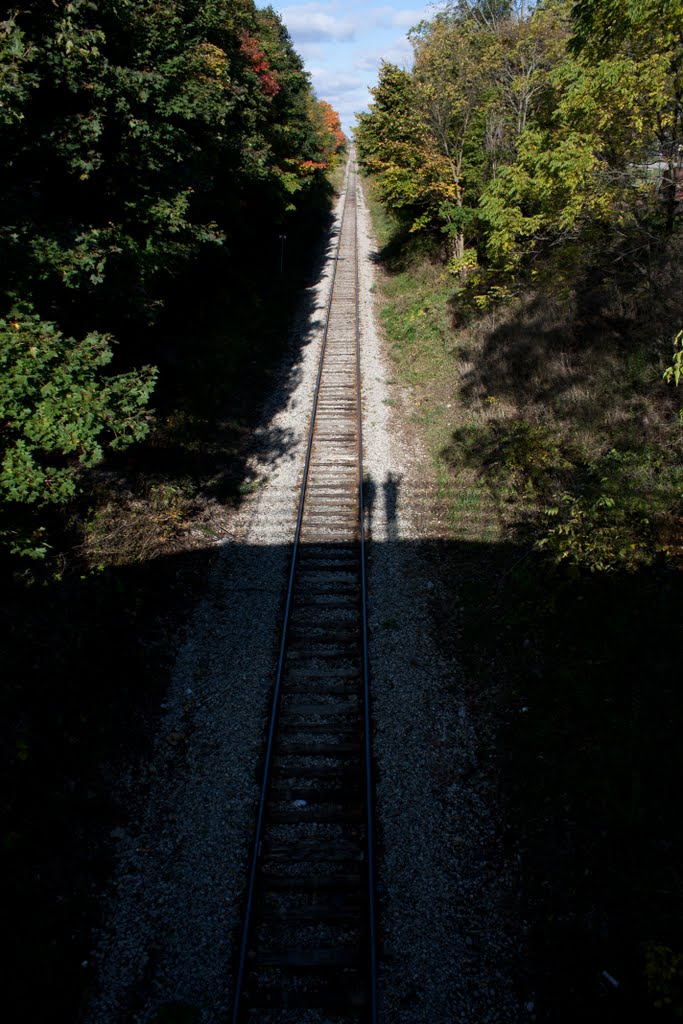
(391, 624)
(664, 973)
(251, 486)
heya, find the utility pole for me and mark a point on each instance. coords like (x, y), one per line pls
(283, 239)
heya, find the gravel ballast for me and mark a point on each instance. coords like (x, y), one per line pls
(171, 919)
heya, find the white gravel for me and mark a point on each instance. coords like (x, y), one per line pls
(172, 917)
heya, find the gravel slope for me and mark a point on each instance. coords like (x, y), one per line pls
(173, 913)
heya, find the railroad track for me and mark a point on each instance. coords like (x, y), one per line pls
(308, 943)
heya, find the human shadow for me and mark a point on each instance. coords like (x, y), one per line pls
(390, 487)
(382, 521)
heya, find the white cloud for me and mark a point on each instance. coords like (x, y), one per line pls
(307, 23)
(337, 82)
(311, 53)
(400, 53)
(408, 19)
(387, 17)
(349, 106)
(343, 43)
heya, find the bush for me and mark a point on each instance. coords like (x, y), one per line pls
(609, 524)
(60, 412)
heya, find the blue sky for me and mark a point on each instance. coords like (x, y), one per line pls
(343, 43)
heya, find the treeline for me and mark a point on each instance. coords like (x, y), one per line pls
(145, 147)
(536, 152)
(519, 129)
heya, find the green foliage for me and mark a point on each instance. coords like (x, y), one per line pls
(466, 263)
(599, 514)
(436, 138)
(138, 135)
(131, 133)
(16, 74)
(608, 524)
(60, 414)
(674, 372)
(516, 454)
(594, 534)
(389, 142)
(514, 135)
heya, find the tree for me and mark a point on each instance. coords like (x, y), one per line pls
(617, 102)
(391, 142)
(454, 59)
(645, 41)
(334, 138)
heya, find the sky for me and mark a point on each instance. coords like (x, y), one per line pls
(342, 45)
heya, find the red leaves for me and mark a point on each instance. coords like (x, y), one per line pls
(310, 166)
(259, 64)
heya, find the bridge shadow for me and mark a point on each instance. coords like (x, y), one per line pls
(575, 682)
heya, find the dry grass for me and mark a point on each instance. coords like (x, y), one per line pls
(132, 528)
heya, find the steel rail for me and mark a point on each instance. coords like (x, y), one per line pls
(275, 709)
(369, 790)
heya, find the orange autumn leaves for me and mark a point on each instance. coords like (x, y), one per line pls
(331, 138)
(325, 118)
(332, 124)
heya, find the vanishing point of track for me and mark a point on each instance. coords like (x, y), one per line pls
(307, 950)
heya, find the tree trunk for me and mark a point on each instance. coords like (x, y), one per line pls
(670, 190)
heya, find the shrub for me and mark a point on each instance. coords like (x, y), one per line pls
(60, 412)
(608, 524)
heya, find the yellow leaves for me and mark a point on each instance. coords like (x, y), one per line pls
(213, 64)
(214, 58)
(622, 95)
(462, 265)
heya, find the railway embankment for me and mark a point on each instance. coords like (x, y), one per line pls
(446, 942)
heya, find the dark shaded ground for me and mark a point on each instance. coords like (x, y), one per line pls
(584, 678)
(583, 675)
